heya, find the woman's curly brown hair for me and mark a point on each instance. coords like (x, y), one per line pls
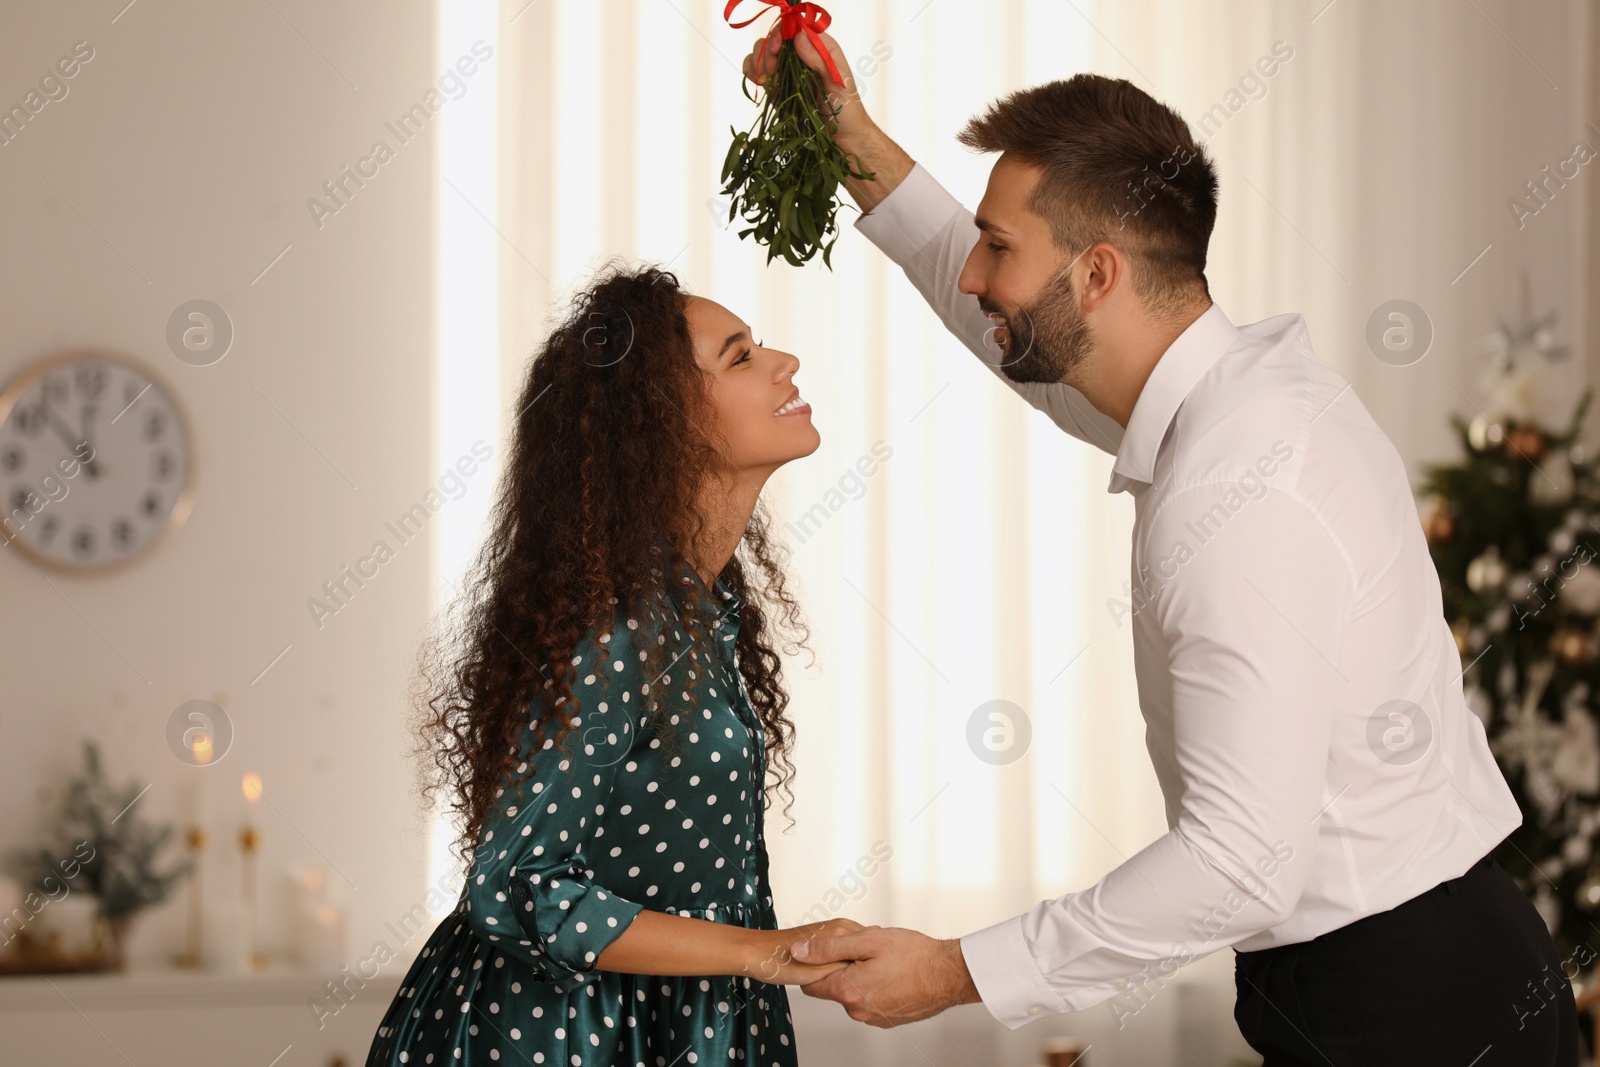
(612, 441)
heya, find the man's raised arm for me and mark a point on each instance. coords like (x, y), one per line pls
(928, 233)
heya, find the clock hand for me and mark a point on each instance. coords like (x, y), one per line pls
(60, 427)
(65, 432)
(92, 467)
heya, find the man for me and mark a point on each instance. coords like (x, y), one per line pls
(1331, 801)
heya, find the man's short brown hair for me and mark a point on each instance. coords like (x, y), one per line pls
(1118, 166)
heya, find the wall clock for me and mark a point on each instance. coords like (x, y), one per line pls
(96, 462)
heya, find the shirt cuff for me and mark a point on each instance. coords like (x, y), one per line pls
(914, 213)
(1007, 976)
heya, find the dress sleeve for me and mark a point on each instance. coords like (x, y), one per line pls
(531, 890)
(929, 234)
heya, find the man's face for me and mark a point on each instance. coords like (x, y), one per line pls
(1021, 279)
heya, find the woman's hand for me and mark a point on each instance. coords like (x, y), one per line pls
(772, 962)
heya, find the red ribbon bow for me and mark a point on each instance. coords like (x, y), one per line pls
(793, 18)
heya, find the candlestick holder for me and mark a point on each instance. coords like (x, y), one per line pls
(193, 955)
(249, 845)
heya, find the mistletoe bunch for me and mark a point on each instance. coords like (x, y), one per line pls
(783, 175)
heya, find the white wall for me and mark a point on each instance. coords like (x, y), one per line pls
(192, 142)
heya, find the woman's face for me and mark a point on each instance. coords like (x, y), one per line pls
(763, 420)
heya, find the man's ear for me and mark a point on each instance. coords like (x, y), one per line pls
(1104, 269)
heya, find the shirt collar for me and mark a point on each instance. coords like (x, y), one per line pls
(1189, 356)
(719, 603)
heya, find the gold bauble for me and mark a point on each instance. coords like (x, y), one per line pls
(1526, 442)
(1438, 527)
(1572, 647)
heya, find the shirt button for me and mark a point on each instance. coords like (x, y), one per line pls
(1033, 1011)
(1122, 983)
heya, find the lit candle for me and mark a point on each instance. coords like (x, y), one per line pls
(324, 931)
(200, 746)
(252, 793)
(250, 843)
(321, 925)
(227, 946)
(201, 752)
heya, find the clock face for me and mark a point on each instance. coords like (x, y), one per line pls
(95, 462)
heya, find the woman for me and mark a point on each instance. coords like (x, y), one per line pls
(606, 716)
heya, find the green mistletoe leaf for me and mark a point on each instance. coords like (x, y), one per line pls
(784, 174)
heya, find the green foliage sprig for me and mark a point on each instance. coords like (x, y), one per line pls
(784, 174)
(122, 870)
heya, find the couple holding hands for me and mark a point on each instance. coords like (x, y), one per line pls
(610, 717)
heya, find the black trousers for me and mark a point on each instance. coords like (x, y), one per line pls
(1463, 975)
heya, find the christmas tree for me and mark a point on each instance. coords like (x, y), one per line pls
(1514, 529)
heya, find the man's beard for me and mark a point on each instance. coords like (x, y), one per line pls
(1048, 341)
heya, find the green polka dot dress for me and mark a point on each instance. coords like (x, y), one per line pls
(630, 820)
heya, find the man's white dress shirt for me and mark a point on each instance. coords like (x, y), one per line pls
(1300, 688)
